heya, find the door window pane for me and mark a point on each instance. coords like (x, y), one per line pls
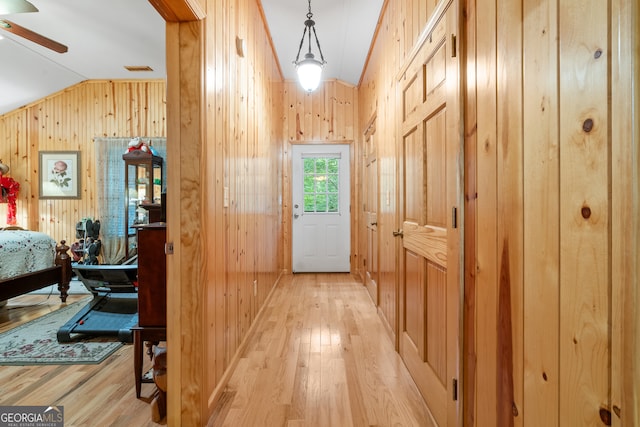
(321, 183)
(332, 166)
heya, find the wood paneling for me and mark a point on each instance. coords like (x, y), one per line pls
(225, 220)
(486, 251)
(549, 167)
(584, 337)
(543, 292)
(625, 223)
(68, 121)
(541, 195)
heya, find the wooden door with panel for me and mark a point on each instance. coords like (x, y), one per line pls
(430, 254)
(371, 175)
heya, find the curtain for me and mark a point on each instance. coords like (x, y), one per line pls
(111, 192)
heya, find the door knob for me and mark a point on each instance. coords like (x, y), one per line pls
(295, 216)
(397, 233)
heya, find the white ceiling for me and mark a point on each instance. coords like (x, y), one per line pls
(104, 36)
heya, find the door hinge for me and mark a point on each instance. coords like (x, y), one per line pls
(454, 217)
(454, 386)
(454, 52)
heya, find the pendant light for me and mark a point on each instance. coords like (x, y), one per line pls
(309, 69)
(16, 6)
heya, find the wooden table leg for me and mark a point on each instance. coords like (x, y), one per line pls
(151, 336)
(137, 359)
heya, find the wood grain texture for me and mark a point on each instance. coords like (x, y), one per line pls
(510, 211)
(68, 121)
(487, 215)
(321, 357)
(189, 258)
(506, 408)
(625, 251)
(226, 230)
(469, 333)
(551, 197)
(429, 242)
(173, 217)
(81, 389)
(541, 204)
(584, 216)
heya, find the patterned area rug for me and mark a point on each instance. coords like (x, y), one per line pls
(35, 342)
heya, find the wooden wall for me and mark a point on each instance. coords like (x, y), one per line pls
(224, 216)
(550, 157)
(326, 116)
(552, 221)
(68, 121)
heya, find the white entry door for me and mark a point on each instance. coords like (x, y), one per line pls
(321, 235)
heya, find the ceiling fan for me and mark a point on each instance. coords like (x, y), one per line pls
(23, 6)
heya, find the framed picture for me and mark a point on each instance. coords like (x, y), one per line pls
(59, 174)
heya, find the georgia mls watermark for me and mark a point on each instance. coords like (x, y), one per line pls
(31, 416)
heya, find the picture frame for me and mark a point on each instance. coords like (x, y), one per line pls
(59, 175)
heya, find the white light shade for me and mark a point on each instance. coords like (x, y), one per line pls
(309, 73)
(16, 6)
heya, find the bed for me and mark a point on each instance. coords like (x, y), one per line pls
(30, 260)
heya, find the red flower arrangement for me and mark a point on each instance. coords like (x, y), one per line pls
(10, 189)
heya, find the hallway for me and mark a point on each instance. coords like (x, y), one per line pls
(320, 356)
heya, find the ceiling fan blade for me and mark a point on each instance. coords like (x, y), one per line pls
(33, 36)
(16, 6)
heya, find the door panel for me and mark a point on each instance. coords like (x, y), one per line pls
(414, 301)
(430, 288)
(437, 321)
(435, 159)
(414, 171)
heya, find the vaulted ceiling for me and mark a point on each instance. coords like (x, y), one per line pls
(105, 36)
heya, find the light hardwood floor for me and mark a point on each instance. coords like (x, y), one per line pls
(92, 395)
(319, 357)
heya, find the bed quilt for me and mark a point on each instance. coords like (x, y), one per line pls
(23, 251)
